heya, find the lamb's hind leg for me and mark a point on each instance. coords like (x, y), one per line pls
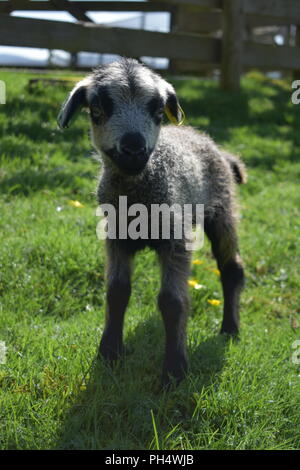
(221, 231)
(117, 298)
(173, 304)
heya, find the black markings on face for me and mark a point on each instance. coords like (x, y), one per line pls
(106, 101)
(156, 109)
(96, 112)
(172, 104)
(101, 105)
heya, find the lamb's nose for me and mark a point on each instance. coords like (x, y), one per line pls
(133, 143)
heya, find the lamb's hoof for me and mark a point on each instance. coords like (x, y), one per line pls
(230, 331)
(110, 352)
(174, 373)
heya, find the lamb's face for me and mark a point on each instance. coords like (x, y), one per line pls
(126, 102)
(125, 124)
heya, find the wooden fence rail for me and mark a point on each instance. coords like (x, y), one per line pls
(88, 37)
(191, 37)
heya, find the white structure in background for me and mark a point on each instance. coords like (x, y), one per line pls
(32, 57)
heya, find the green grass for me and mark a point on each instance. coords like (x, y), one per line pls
(53, 393)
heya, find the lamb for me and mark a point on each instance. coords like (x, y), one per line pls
(155, 164)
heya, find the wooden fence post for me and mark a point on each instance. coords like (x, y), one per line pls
(204, 22)
(296, 73)
(174, 14)
(232, 44)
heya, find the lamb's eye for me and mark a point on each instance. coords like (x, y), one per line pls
(96, 112)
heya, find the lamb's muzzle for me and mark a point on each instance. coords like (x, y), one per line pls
(154, 164)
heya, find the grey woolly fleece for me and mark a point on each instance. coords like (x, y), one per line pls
(186, 167)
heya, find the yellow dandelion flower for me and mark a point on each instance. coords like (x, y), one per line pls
(214, 270)
(214, 302)
(197, 261)
(75, 204)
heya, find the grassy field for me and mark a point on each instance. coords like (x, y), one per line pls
(53, 393)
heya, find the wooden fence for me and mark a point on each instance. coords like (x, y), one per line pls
(207, 33)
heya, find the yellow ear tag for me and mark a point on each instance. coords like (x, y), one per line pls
(172, 118)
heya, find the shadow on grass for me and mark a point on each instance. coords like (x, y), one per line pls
(37, 109)
(27, 181)
(114, 412)
(30, 124)
(263, 106)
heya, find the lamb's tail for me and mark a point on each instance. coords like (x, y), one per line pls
(238, 168)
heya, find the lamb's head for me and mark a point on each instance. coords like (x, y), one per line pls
(126, 101)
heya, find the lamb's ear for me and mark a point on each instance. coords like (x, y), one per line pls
(75, 101)
(173, 109)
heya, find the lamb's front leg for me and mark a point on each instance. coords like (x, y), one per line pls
(173, 304)
(117, 298)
